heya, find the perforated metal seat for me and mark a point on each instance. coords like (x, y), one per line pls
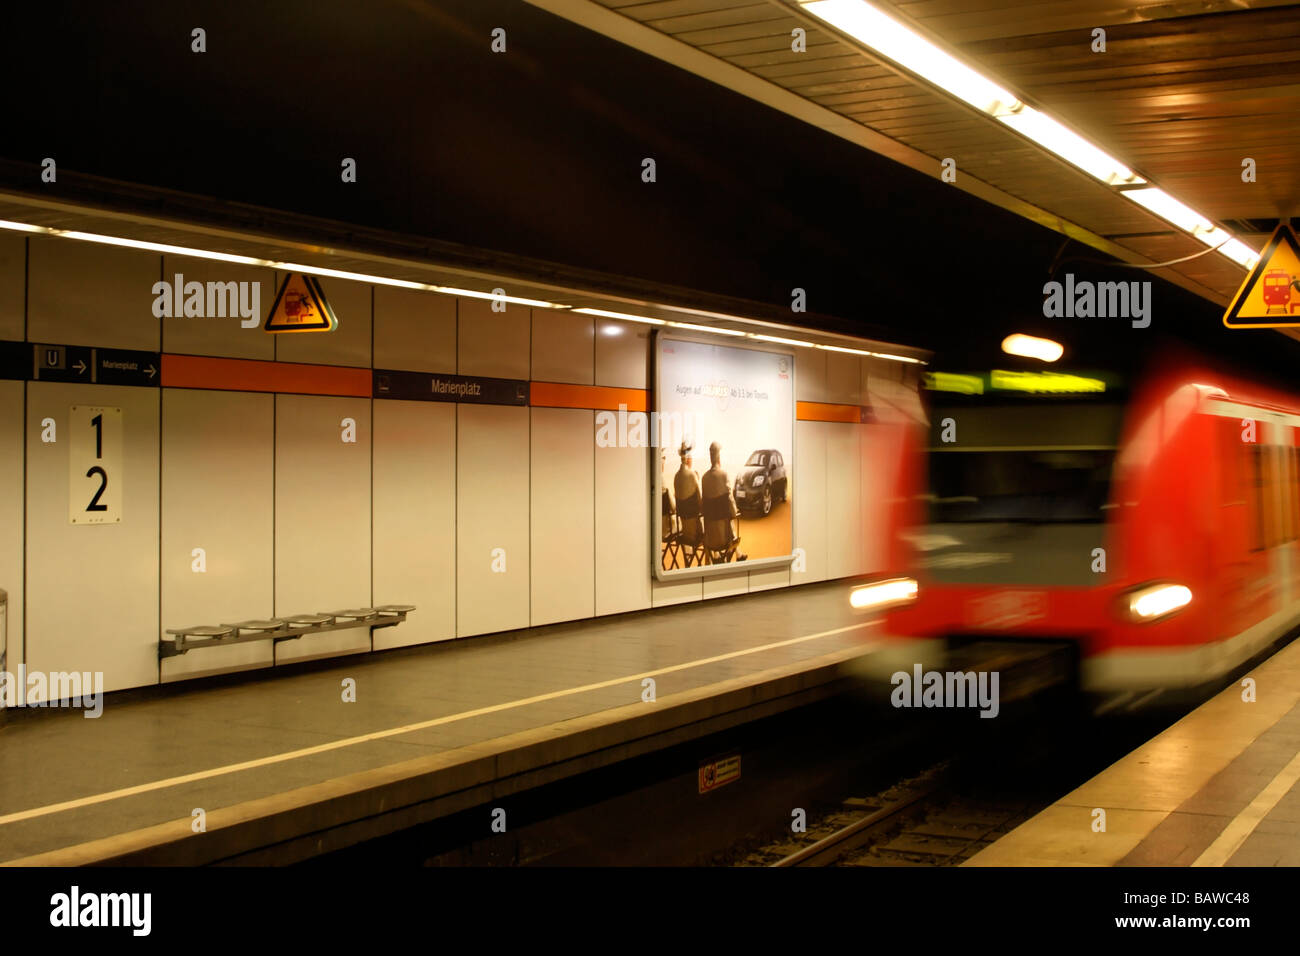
(356, 613)
(307, 620)
(205, 630)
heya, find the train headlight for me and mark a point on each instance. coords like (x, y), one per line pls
(1155, 601)
(883, 594)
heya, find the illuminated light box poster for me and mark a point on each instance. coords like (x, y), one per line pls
(735, 513)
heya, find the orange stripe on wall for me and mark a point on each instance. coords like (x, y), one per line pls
(826, 412)
(557, 395)
(251, 375)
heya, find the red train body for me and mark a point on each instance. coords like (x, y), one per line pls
(1198, 488)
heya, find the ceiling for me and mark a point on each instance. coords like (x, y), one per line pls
(1184, 92)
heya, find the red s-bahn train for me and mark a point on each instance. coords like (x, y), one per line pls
(1154, 529)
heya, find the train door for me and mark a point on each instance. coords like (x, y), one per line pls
(1285, 533)
(1278, 486)
(1291, 492)
(1260, 592)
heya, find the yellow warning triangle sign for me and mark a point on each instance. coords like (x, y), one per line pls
(1270, 296)
(300, 306)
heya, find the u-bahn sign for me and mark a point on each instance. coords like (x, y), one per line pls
(1270, 296)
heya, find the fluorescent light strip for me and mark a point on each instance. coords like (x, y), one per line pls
(1069, 145)
(871, 26)
(1190, 221)
(883, 355)
(195, 253)
(1240, 253)
(622, 315)
(704, 328)
(774, 338)
(268, 263)
(897, 42)
(20, 226)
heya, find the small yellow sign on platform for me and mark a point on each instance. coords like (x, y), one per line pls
(1270, 296)
(300, 306)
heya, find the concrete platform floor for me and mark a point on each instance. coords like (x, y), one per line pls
(1218, 788)
(282, 762)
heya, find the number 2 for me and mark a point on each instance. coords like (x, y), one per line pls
(103, 484)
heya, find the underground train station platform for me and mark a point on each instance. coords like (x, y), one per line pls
(1221, 787)
(283, 769)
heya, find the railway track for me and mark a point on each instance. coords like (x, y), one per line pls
(933, 819)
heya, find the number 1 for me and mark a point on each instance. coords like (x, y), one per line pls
(98, 422)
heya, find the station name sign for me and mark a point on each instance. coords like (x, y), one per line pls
(433, 387)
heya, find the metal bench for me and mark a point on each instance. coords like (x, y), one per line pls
(185, 639)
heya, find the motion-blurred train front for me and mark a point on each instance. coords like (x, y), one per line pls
(1149, 527)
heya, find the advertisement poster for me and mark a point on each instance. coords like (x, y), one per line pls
(725, 476)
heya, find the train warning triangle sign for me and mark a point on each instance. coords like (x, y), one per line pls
(1270, 296)
(300, 306)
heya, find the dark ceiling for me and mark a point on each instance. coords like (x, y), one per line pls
(538, 152)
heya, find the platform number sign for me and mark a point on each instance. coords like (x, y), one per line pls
(95, 469)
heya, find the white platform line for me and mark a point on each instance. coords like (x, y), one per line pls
(398, 731)
(1243, 825)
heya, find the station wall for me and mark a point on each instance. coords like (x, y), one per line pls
(241, 500)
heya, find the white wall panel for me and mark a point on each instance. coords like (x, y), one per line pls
(414, 330)
(218, 479)
(809, 484)
(83, 293)
(415, 519)
(622, 353)
(563, 515)
(349, 344)
(725, 585)
(881, 448)
(11, 513)
(664, 593)
(92, 590)
(843, 378)
(492, 503)
(494, 344)
(769, 579)
(623, 571)
(810, 375)
(844, 526)
(322, 517)
(211, 335)
(563, 347)
(13, 286)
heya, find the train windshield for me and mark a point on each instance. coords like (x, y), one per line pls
(1040, 485)
(1039, 464)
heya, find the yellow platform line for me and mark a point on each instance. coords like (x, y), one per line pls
(107, 796)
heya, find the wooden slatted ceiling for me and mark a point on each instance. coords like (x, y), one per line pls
(1185, 100)
(966, 21)
(1186, 89)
